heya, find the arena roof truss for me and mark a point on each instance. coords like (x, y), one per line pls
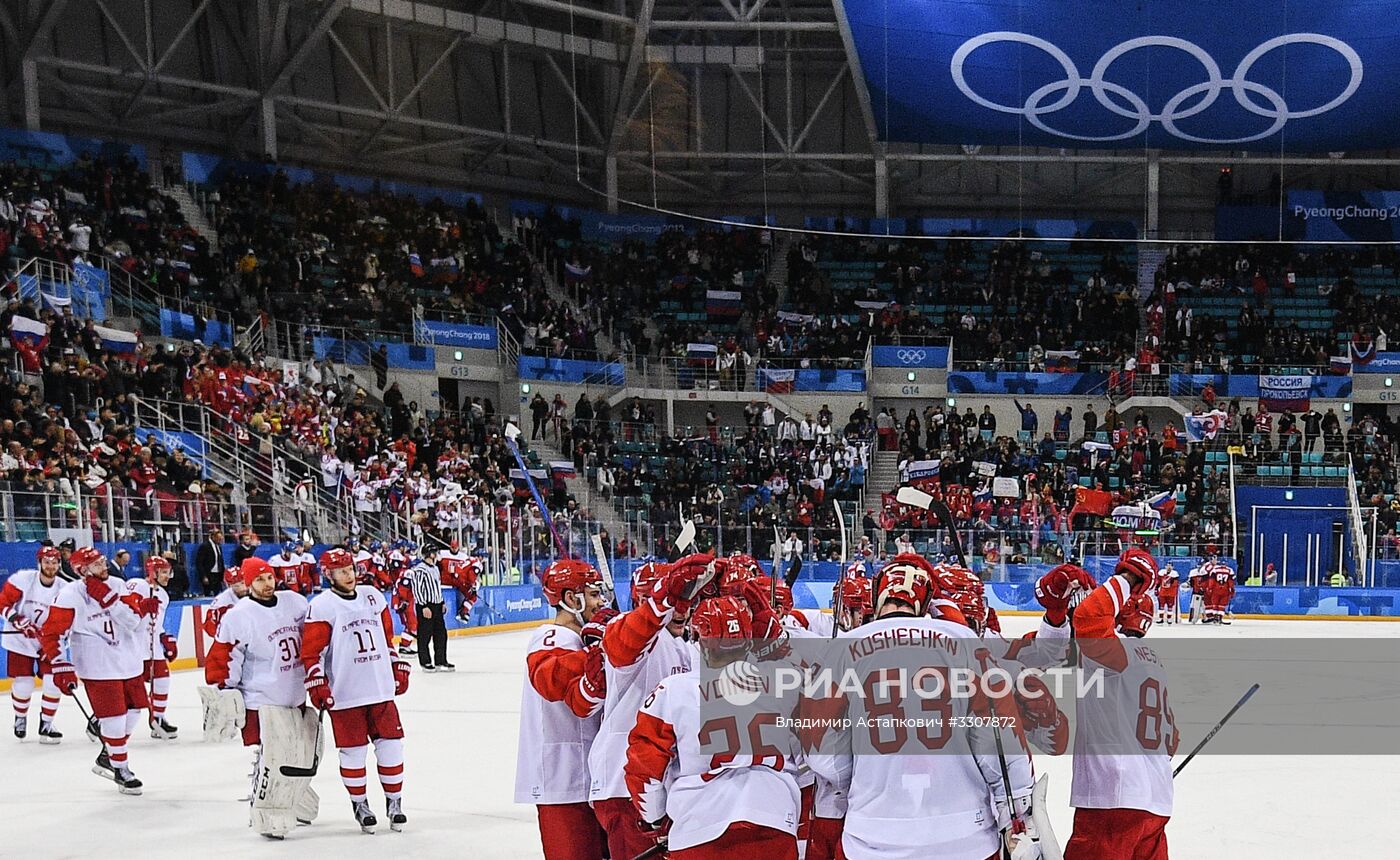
(706, 105)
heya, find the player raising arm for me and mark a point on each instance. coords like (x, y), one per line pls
(106, 631)
(1125, 737)
(24, 604)
(713, 803)
(352, 672)
(158, 647)
(560, 709)
(258, 654)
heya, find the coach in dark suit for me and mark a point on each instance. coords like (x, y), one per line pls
(209, 563)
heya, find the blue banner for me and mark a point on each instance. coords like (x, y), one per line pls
(46, 148)
(910, 356)
(992, 382)
(178, 440)
(402, 356)
(458, 334)
(573, 371)
(829, 380)
(182, 326)
(1099, 74)
(1342, 216)
(1378, 362)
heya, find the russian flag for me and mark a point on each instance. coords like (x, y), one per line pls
(701, 352)
(26, 330)
(576, 274)
(1061, 360)
(1341, 365)
(1164, 503)
(563, 467)
(415, 265)
(723, 303)
(118, 341)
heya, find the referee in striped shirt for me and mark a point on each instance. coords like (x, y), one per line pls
(423, 577)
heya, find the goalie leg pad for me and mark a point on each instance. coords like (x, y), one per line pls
(223, 713)
(288, 738)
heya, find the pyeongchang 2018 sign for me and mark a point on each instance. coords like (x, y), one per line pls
(1092, 74)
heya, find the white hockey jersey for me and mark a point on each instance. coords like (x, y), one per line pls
(916, 792)
(351, 636)
(24, 594)
(259, 647)
(673, 770)
(551, 760)
(154, 625)
(105, 643)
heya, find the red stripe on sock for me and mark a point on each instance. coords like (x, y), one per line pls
(391, 770)
(352, 773)
(392, 787)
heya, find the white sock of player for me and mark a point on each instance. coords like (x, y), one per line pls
(115, 731)
(160, 695)
(352, 770)
(21, 691)
(50, 700)
(133, 719)
(388, 758)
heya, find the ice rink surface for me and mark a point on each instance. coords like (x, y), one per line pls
(460, 746)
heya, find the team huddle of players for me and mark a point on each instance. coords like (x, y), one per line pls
(615, 757)
(285, 631)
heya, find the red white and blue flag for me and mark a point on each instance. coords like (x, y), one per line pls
(1203, 428)
(26, 330)
(723, 303)
(1164, 503)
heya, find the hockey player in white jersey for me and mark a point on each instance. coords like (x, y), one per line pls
(352, 672)
(1126, 736)
(158, 647)
(24, 605)
(938, 789)
(715, 802)
(640, 648)
(106, 631)
(258, 654)
(560, 710)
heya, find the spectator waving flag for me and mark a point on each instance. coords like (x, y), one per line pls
(1164, 503)
(28, 331)
(575, 273)
(563, 468)
(118, 341)
(1062, 360)
(1203, 428)
(1095, 502)
(1341, 365)
(701, 353)
(415, 265)
(1362, 353)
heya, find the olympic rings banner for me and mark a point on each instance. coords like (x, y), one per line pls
(910, 356)
(1093, 74)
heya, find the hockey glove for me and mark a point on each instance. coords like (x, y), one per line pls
(171, 648)
(64, 677)
(319, 690)
(99, 591)
(592, 632)
(401, 673)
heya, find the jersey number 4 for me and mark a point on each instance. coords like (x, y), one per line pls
(1153, 711)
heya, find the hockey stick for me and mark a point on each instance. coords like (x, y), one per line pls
(293, 770)
(778, 552)
(687, 535)
(92, 721)
(511, 432)
(654, 851)
(841, 575)
(1245, 698)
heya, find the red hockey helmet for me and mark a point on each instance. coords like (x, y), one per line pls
(156, 565)
(855, 594)
(731, 572)
(1135, 618)
(643, 578)
(907, 579)
(87, 561)
(336, 558)
(568, 574)
(783, 592)
(49, 553)
(962, 587)
(1138, 562)
(722, 623)
(253, 568)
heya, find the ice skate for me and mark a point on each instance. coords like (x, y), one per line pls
(103, 766)
(21, 727)
(161, 730)
(126, 781)
(397, 819)
(363, 816)
(48, 734)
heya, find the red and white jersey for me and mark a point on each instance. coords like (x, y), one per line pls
(640, 653)
(310, 573)
(917, 805)
(258, 651)
(105, 644)
(350, 637)
(217, 608)
(367, 567)
(705, 789)
(24, 594)
(154, 625)
(458, 569)
(1125, 736)
(551, 761)
(811, 620)
(287, 570)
